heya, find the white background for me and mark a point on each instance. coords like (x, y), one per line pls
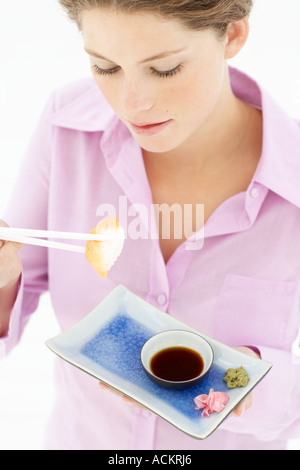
(39, 51)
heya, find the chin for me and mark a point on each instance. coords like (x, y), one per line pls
(157, 146)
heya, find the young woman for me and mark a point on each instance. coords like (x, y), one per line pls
(166, 121)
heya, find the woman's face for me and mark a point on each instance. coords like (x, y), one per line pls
(162, 80)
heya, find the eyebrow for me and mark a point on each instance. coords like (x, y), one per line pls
(149, 59)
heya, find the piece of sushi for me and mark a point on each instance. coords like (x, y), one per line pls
(102, 255)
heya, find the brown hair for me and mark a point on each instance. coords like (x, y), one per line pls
(194, 14)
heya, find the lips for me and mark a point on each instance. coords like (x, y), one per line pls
(147, 129)
(147, 124)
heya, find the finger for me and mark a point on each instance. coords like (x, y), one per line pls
(242, 407)
(106, 388)
(239, 410)
(129, 401)
(17, 246)
(2, 224)
(9, 248)
(125, 399)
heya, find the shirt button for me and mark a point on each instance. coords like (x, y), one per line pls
(161, 299)
(254, 192)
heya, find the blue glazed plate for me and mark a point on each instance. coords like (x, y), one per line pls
(107, 345)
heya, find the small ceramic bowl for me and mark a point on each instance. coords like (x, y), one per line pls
(174, 339)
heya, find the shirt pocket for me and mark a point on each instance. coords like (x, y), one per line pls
(253, 311)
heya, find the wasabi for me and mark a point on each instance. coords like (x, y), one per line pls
(236, 377)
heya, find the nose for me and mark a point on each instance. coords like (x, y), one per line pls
(136, 99)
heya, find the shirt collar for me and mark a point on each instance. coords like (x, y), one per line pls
(86, 109)
(279, 166)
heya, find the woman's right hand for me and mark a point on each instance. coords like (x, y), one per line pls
(10, 265)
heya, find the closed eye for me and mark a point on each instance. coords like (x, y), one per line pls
(100, 71)
(156, 73)
(168, 73)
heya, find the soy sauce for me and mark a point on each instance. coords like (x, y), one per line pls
(177, 364)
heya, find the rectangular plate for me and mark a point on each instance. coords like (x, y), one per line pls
(107, 342)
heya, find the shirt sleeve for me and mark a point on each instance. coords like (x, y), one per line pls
(28, 208)
(275, 412)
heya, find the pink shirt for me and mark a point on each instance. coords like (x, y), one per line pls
(241, 288)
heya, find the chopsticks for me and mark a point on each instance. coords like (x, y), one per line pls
(37, 237)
